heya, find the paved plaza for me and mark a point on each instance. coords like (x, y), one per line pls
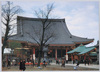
(54, 67)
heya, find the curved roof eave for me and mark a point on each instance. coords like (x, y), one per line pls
(78, 40)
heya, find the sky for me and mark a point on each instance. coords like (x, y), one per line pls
(82, 17)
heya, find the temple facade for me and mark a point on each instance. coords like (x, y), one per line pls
(29, 33)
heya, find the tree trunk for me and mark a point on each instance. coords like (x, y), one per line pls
(3, 47)
(40, 55)
(5, 40)
(39, 61)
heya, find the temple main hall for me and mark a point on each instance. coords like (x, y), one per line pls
(29, 32)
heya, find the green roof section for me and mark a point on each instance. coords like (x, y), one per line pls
(81, 49)
(87, 49)
(78, 49)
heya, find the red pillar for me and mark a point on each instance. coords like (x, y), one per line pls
(66, 54)
(34, 53)
(72, 57)
(56, 54)
(84, 57)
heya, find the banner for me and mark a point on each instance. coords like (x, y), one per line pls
(66, 57)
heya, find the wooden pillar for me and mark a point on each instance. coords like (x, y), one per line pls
(56, 53)
(33, 53)
(72, 57)
(66, 54)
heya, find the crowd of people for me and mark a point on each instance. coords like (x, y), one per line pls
(77, 62)
(58, 61)
(87, 62)
(62, 62)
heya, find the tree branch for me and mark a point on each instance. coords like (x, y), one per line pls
(33, 38)
(48, 39)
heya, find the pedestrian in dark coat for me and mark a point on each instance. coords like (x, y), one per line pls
(44, 65)
(8, 64)
(21, 67)
(77, 63)
(88, 62)
(85, 61)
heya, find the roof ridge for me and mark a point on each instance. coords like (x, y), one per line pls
(40, 18)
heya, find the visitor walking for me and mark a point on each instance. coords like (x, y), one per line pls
(73, 61)
(44, 65)
(85, 62)
(56, 61)
(20, 67)
(59, 61)
(48, 61)
(23, 65)
(88, 62)
(8, 63)
(33, 62)
(77, 63)
(63, 63)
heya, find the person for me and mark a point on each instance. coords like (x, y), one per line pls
(33, 62)
(88, 62)
(63, 63)
(56, 61)
(73, 61)
(85, 62)
(20, 65)
(48, 61)
(8, 63)
(44, 63)
(77, 63)
(59, 61)
(23, 65)
(91, 61)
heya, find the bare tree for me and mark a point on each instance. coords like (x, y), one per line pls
(43, 34)
(9, 12)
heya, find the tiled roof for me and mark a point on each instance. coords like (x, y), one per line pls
(33, 26)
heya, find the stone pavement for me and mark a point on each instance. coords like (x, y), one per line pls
(56, 67)
(83, 65)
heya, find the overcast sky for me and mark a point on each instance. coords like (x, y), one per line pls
(82, 17)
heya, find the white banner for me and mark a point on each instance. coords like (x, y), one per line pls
(66, 57)
(34, 56)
